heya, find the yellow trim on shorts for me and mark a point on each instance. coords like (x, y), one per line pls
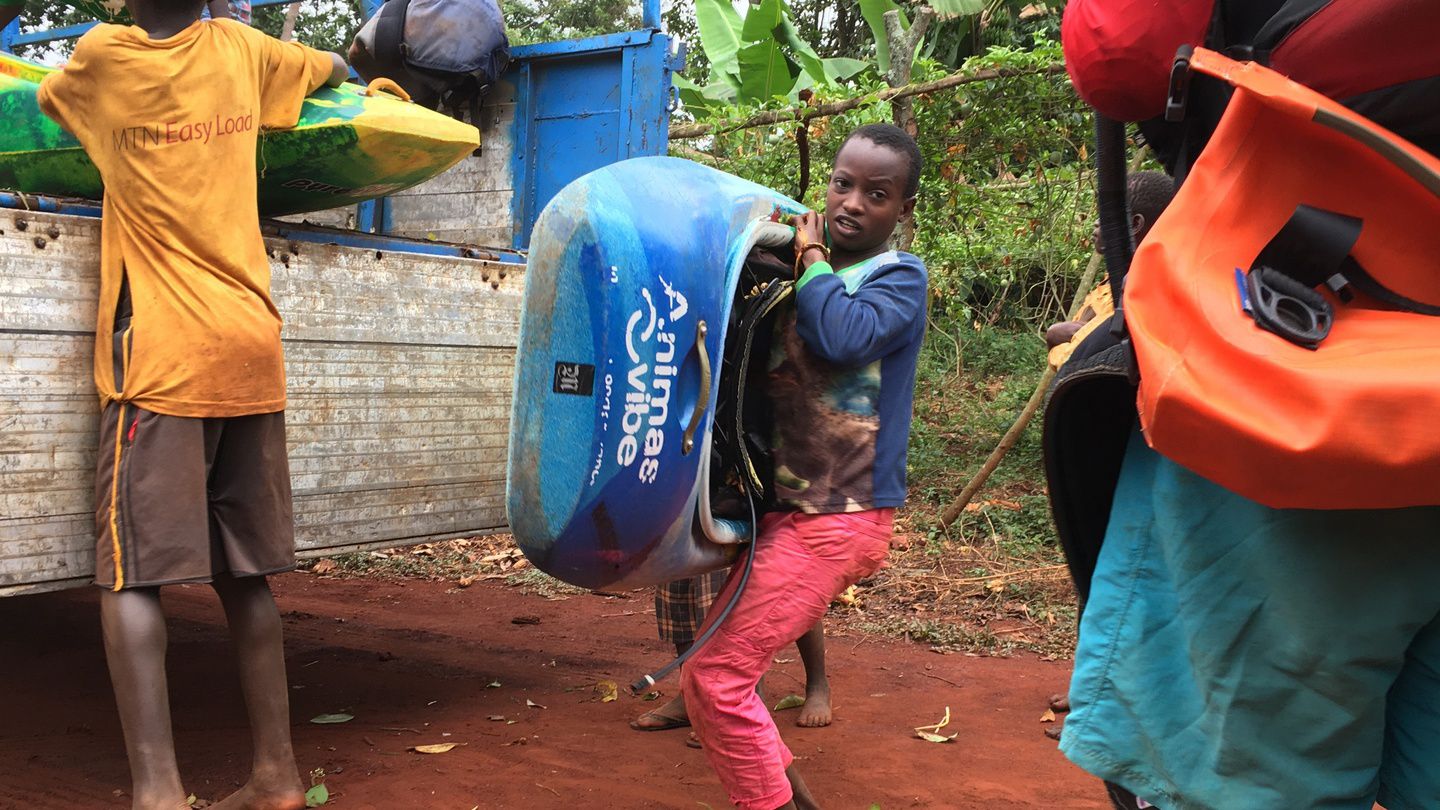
(114, 511)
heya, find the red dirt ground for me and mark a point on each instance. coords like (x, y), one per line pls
(412, 660)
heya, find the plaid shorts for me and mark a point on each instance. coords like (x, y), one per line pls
(680, 606)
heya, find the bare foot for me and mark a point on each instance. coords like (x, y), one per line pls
(159, 803)
(802, 798)
(816, 711)
(254, 796)
(1059, 704)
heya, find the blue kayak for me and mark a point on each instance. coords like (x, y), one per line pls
(632, 275)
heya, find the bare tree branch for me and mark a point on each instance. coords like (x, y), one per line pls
(700, 130)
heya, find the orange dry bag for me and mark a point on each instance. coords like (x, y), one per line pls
(1285, 310)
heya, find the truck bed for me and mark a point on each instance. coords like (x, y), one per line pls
(400, 373)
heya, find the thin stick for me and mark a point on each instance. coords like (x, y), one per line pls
(1024, 572)
(938, 678)
(1027, 413)
(1007, 441)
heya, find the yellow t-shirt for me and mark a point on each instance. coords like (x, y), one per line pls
(1099, 308)
(172, 124)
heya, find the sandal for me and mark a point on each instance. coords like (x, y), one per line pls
(666, 721)
(693, 741)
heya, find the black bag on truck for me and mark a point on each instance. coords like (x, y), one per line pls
(445, 53)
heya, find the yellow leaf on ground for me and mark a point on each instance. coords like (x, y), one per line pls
(338, 717)
(789, 702)
(436, 748)
(1048, 716)
(608, 690)
(935, 738)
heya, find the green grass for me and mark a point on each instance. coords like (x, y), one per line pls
(999, 564)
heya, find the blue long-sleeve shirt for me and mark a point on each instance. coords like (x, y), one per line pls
(842, 382)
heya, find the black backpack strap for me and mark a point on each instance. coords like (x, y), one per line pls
(1088, 419)
(1314, 248)
(390, 38)
(1111, 174)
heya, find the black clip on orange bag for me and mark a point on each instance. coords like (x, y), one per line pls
(1283, 311)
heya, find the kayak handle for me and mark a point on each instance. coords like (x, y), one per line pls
(688, 442)
(380, 83)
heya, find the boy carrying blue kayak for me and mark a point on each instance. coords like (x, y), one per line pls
(841, 382)
(192, 482)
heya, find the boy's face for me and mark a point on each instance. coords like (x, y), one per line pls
(866, 197)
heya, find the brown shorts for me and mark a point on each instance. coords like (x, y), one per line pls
(183, 500)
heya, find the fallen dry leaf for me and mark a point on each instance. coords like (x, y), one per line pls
(789, 702)
(327, 719)
(609, 691)
(466, 582)
(1048, 716)
(325, 566)
(532, 704)
(435, 748)
(935, 738)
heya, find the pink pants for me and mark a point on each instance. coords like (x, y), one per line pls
(801, 563)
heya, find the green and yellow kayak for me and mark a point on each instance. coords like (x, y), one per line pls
(347, 148)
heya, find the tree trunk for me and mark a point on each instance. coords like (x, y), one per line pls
(292, 13)
(902, 57)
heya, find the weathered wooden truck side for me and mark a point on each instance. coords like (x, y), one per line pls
(401, 321)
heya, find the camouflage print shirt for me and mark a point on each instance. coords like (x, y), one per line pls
(841, 379)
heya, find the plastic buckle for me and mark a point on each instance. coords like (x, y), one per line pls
(1132, 362)
(1285, 307)
(1179, 84)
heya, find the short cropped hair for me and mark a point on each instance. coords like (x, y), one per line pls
(896, 139)
(1149, 193)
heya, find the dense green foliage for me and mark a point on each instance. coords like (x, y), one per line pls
(1004, 216)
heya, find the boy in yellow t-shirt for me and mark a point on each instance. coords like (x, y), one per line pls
(192, 482)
